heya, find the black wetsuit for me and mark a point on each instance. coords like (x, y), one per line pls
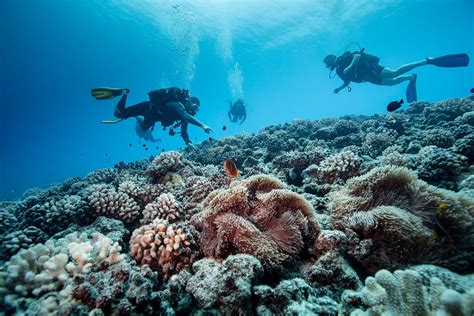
(367, 69)
(165, 108)
(237, 110)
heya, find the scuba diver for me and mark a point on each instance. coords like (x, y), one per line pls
(362, 67)
(237, 111)
(170, 106)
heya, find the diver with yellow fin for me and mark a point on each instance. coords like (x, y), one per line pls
(171, 106)
(362, 67)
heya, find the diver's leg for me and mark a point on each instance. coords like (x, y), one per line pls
(120, 106)
(396, 80)
(147, 123)
(390, 73)
(138, 109)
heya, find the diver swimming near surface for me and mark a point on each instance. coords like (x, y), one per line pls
(362, 67)
(171, 106)
(237, 111)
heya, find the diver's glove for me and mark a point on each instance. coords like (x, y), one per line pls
(336, 91)
(207, 129)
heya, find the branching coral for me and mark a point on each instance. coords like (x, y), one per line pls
(8, 221)
(108, 202)
(447, 110)
(256, 216)
(438, 137)
(21, 239)
(165, 207)
(50, 267)
(162, 164)
(403, 293)
(440, 166)
(167, 248)
(336, 168)
(376, 142)
(393, 219)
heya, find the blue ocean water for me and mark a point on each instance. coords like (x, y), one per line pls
(268, 52)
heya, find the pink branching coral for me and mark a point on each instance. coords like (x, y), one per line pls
(165, 247)
(256, 216)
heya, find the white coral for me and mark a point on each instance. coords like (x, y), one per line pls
(108, 202)
(51, 266)
(403, 293)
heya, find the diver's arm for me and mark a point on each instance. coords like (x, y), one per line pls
(344, 85)
(355, 61)
(185, 117)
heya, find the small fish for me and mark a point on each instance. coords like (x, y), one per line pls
(172, 132)
(144, 145)
(106, 154)
(162, 150)
(440, 232)
(472, 90)
(146, 148)
(156, 147)
(394, 105)
(224, 128)
(231, 169)
(130, 145)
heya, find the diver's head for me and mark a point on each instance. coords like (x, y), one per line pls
(330, 61)
(192, 106)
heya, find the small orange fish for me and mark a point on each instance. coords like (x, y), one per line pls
(231, 169)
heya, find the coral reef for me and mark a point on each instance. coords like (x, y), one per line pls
(318, 206)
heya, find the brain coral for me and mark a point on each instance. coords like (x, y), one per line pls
(256, 216)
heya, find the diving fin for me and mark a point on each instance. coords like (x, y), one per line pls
(411, 91)
(454, 60)
(112, 121)
(105, 93)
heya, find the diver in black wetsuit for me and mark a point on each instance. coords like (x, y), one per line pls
(362, 67)
(171, 106)
(237, 111)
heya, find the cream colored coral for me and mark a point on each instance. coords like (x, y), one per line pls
(97, 252)
(108, 202)
(165, 207)
(403, 293)
(51, 266)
